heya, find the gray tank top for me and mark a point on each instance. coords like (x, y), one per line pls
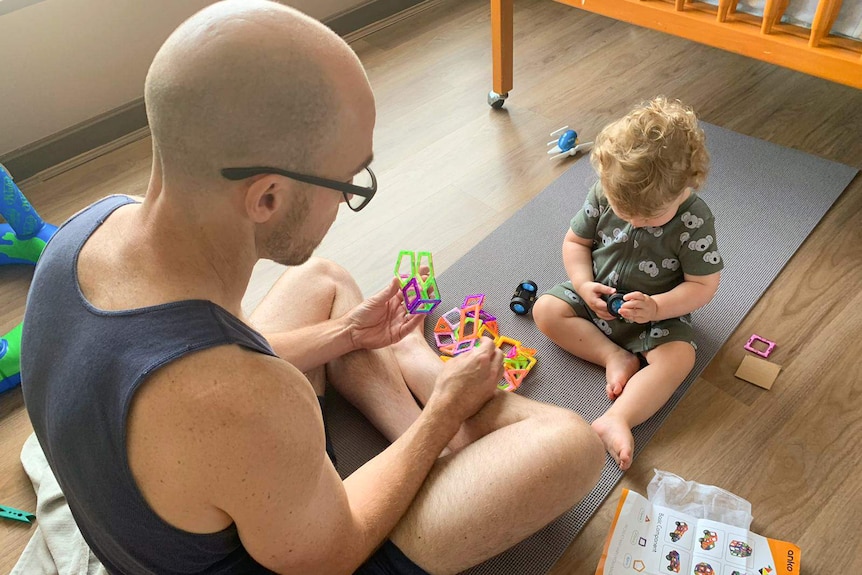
(80, 368)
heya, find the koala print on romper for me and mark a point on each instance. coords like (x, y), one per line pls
(658, 332)
(712, 257)
(603, 325)
(700, 245)
(572, 296)
(671, 264)
(649, 268)
(653, 261)
(691, 221)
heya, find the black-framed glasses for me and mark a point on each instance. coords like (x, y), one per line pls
(356, 195)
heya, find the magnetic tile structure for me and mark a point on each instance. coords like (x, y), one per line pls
(459, 330)
(420, 294)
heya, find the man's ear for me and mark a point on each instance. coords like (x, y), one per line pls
(263, 198)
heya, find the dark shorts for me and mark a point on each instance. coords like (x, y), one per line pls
(634, 337)
(389, 560)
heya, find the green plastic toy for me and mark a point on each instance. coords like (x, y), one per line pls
(22, 239)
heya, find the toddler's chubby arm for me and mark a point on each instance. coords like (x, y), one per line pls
(578, 261)
(693, 293)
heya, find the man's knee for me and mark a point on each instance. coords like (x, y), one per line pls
(324, 269)
(576, 449)
(325, 276)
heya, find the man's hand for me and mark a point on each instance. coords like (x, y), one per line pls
(469, 381)
(381, 320)
(591, 293)
(639, 308)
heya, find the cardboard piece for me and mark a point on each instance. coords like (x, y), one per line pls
(760, 372)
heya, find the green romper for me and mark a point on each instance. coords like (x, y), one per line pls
(649, 260)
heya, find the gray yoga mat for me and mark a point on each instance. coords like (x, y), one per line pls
(766, 200)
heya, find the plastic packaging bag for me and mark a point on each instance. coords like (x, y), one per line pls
(701, 501)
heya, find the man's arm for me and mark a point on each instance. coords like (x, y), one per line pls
(312, 346)
(376, 322)
(293, 513)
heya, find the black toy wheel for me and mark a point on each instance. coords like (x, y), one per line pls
(519, 305)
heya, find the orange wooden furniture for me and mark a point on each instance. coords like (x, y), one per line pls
(813, 51)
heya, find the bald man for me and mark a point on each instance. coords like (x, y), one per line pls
(189, 438)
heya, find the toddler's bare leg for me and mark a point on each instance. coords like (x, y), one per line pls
(582, 338)
(646, 392)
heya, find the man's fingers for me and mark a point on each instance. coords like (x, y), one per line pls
(410, 324)
(387, 292)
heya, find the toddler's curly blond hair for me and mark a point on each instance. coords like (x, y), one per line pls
(650, 156)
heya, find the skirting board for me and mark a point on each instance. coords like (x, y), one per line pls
(73, 146)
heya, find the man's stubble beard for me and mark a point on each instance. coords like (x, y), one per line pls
(287, 246)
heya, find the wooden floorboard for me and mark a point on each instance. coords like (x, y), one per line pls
(451, 170)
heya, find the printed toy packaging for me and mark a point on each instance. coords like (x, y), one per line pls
(648, 539)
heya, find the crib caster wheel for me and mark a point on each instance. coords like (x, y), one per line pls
(496, 100)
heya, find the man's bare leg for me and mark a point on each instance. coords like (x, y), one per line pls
(371, 381)
(522, 464)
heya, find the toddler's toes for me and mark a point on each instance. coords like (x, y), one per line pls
(618, 439)
(619, 370)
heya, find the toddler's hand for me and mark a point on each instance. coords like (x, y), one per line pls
(591, 293)
(639, 307)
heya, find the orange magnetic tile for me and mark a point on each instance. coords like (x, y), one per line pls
(442, 326)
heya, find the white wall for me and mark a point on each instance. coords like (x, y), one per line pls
(66, 61)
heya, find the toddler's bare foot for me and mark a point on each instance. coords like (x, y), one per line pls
(618, 439)
(620, 368)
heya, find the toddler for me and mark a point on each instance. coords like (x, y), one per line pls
(643, 232)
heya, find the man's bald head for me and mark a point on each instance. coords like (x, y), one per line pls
(250, 83)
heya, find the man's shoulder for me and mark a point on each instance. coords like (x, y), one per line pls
(209, 396)
(199, 424)
(234, 377)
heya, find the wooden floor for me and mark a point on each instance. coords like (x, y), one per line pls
(451, 170)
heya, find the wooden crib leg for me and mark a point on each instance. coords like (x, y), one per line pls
(726, 7)
(772, 13)
(824, 18)
(502, 33)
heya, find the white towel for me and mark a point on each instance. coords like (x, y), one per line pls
(57, 546)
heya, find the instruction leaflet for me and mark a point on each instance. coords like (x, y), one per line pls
(650, 539)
